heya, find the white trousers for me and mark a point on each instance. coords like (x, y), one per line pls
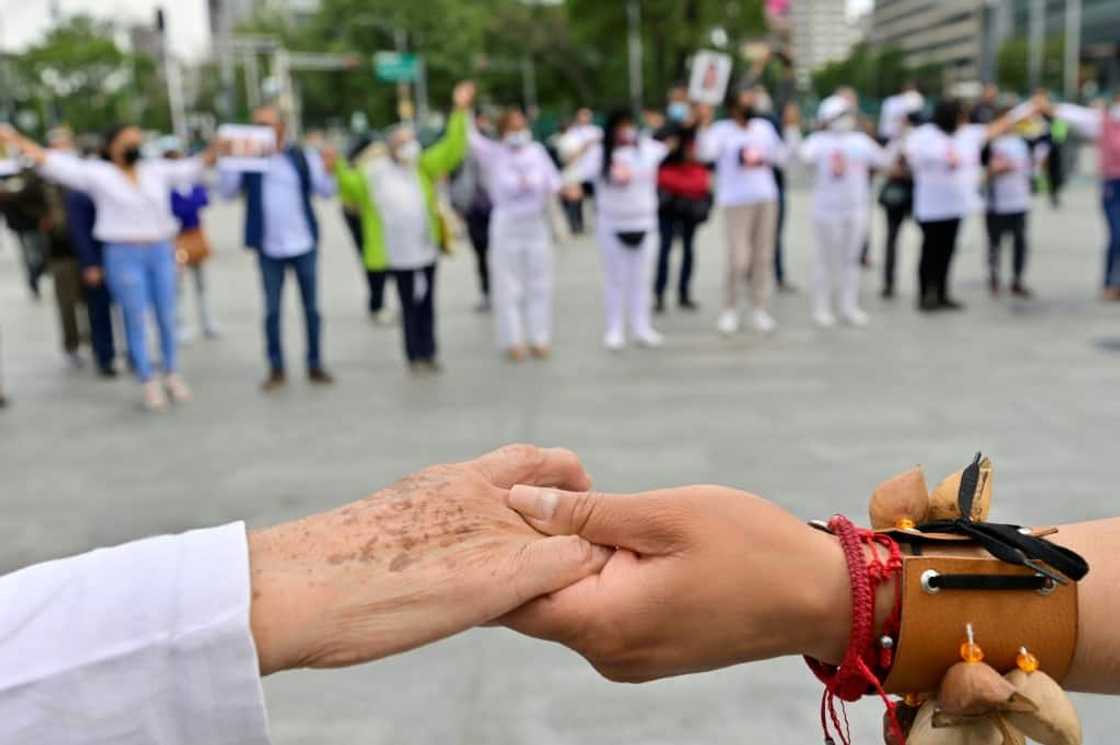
(521, 277)
(837, 269)
(626, 281)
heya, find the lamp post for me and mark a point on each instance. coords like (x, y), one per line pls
(1073, 48)
(634, 17)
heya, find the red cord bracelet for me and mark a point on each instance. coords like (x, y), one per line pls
(867, 660)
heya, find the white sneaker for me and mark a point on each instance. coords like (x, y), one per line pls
(650, 339)
(728, 322)
(856, 317)
(824, 319)
(614, 341)
(154, 400)
(177, 389)
(763, 322)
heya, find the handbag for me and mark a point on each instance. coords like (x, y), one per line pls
(632, 239)
(897, 195)
(192, 247)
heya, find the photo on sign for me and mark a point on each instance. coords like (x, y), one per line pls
(246, 147)
(709, 78)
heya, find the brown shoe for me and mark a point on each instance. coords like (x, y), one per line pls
(319, 376)
(541, 351)
(274, 382)
(1111, 294)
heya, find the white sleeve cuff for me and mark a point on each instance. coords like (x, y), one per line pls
(146, 642)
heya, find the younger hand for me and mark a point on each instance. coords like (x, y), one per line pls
(704, 577)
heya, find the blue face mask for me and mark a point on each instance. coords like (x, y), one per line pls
(678, 111)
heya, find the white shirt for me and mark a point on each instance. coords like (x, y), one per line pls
(1010, 192)
(726, 143)
(404, 215)
(519, 180)
(627, 201)
(127, 211)
(1087, 121)
(843, 163)
(286, 231)
(945, 170)
(143, 644)
(896, 108)
(578, 137)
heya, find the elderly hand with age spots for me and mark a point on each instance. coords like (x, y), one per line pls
(436, 553)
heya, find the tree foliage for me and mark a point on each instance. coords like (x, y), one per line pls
(1013, 64)
(874, 73)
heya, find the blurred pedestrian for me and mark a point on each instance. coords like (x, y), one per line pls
(898, 112)
(470, 198)
(405, 228)
(1103, 126)
(350, 174)
(987, 108)
(944, 156)
(844, 158)
(745, 150)
(522, 181)
(684, 186)
(576, 148)
(23, 204)
(1010, 171)
(192, 250)
(132, 195)
(624, 168)
(281, 227)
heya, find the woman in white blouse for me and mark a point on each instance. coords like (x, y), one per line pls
(132, 195)
(521, 180)
(842, 158)
(745, 150)
(623, 168)
(944, 156)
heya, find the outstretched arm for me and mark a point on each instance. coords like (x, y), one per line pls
(706, 577)
(445, 156)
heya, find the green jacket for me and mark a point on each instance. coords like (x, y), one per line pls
(435, 162)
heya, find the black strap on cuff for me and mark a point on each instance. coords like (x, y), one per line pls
(989, 582)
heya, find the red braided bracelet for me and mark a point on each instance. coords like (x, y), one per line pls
(867, 660)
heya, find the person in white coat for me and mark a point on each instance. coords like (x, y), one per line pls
(521, 180)
(843, 158)
(623, 169)
(1010, 166)
(745, 150)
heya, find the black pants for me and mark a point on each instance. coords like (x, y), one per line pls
(99, 305)
(779, 259)
(478, 230)
(939, 242)
(375, 279)
(896, 216)
(573, 211)
(417, 313)
(998, 226)
(671, 226)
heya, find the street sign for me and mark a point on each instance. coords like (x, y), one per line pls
(396, 67)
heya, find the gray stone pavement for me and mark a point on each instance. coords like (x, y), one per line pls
(808, 418)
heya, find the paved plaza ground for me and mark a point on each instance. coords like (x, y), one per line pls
(809, 418)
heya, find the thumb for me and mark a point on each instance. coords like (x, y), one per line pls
(551, 564)
(620, 520)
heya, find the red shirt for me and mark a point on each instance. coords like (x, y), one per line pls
(685, 179)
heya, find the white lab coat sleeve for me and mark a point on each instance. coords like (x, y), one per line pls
(69, 170)
(1087, 121)
(709, 142)
(878, 157)
(144, 643)
(182, 173)
(778, 153)
(229, 182)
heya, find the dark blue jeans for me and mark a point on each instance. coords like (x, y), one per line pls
(418, 318)
(273, 271)
(1110, 200)
(99, 304)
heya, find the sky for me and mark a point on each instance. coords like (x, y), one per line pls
(22, 22)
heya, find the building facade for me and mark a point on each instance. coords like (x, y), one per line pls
(820, 33)
(945, 33)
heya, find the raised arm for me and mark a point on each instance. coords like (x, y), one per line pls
(445, 156)
(1087, 121)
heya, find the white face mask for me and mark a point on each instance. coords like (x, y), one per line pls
(844, 123)
(408, 152)
(520, 138)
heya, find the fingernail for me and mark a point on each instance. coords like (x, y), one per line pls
(533, 502)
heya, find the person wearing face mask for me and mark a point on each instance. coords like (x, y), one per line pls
(624, 169)
(402, 227)
(745, 150)
(1102, 125)
(944, 156)
(576, 148)
(843, 159)
(472, 201)
(1010, 170)
(281, 227)
(521, 180)
(132, 196)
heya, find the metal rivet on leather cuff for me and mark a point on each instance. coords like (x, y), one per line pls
(927, 579)
(1047, 587)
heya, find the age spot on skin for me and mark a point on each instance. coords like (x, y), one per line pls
(402, 562)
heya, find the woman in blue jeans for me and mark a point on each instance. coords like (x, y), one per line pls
(134, 221)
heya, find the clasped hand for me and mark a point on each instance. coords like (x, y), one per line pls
(643, 585)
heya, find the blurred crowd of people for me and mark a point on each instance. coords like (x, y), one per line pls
(118, 223)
